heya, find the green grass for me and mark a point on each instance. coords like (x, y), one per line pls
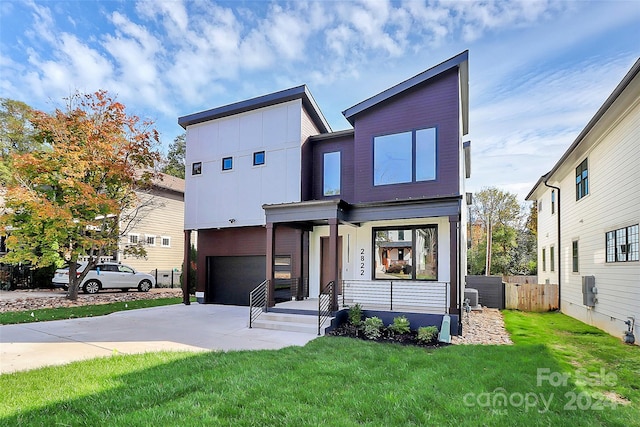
(46, 314)
(332, 381)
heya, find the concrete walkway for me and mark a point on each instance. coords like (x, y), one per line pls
(178, 327)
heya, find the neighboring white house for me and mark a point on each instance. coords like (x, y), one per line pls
(592, 197)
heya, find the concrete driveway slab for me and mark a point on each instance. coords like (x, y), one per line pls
(195, 327)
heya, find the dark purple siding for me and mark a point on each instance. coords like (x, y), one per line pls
(345, 147)
(432, 104)
(245, 241)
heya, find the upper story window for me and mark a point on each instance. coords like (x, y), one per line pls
(582, 180)
(331, 174)
(258, 158)
(410, 253)
(196, 168)
(227, 163)
(165, 241)
(622, 244)
(404, 157)
(133, 239)
(553, 202)
(151, 240)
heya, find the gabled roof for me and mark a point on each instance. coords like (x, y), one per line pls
(298, 92)
(622, 86)
(461, 61)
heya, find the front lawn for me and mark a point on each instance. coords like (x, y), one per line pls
(336, 381)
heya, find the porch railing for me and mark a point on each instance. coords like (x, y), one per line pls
(325, 300)
(397, 295)
(258, 301)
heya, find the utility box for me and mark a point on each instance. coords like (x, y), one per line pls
(589, 291)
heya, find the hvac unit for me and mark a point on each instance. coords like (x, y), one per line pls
(471, 295)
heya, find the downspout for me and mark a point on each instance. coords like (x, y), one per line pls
(559, 247)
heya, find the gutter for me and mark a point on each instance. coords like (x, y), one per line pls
(546, 178)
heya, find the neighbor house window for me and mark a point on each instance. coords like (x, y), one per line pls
(196, 168)
(553, 202)
(582, 180)
(166, 241)
(552, 259)
(258, 158)
(393, 157)
(574, 256)
(151, 240)
(227, 163)
(410, 253)
(622, 244)
(133, 239)
(544, 259)
(331, 174)
(540, 206)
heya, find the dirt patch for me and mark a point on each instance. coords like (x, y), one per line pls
(33, 300)
(484, 326)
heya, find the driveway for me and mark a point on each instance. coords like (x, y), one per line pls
(196, 327)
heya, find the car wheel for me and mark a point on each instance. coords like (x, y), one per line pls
(144, 286)
(66, 288)
(91, 287)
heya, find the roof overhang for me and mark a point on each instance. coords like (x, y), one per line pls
(461, 61)
(298, 92)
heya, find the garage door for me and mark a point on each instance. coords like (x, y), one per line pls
(230, 279)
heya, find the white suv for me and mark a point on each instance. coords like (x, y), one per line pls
(106, 276)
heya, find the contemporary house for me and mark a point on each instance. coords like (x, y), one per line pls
(589, 215)
(374, 214)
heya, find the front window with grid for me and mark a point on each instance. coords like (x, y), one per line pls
(151, 240)
(622, 244)
(133, 239)
(582, 180)
(166, 241)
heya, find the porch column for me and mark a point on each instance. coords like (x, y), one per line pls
(333, 260)
(271, 244)
(186, 268)
(454, 262)
(297, 266)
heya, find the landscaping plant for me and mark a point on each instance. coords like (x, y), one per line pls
(427, 334)
(373, 327)
(355, 315)
(400, 326)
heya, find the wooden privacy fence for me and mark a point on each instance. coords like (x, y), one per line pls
(531, 297)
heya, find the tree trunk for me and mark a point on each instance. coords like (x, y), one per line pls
(72, 293)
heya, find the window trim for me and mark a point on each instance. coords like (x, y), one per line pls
(413, 229)
(168, 245)
(582, 186)
(544, 259)
(553, 202)
(130, 235)
(196, 168)
(147, 237)
(264, 158)
(552, 258)
(628, 245)
(324, 193)
(225, 169)
(575, 256)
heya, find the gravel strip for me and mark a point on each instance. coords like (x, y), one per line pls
(23, 301)
(485, 326)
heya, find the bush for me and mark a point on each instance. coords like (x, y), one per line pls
(355, 315)
(373, 327)
(400, 326)
(395, 269)
(427, 334)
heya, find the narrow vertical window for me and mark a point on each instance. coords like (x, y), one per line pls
(227, 163)
(552, 259)
(582, 180)
(196, 168)
(574, 256)
(553, 202)
(544, 259)
(258, 158)
(331, 174)
(426, 154)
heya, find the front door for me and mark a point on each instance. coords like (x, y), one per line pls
(325, 267)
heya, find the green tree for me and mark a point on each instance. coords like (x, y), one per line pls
(73, 198)
(17, 135)
(175, 162)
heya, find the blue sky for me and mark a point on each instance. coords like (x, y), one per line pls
(539, 70)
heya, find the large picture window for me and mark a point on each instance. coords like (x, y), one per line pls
(404, 157)
(408, 253)
(622, 244)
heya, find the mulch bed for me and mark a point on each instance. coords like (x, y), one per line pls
(410, 339)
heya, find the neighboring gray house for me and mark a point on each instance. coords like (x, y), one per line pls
(275, 194)
(589, 216)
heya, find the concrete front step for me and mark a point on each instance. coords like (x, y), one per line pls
(289, 322)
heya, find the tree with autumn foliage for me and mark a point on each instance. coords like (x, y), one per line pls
(77, 195)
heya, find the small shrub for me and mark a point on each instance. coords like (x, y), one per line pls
(394, 269)
(373, 327)
(427, 334)
(355, 315)
(400, 326)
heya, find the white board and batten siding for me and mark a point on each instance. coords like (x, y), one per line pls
(217, 198)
